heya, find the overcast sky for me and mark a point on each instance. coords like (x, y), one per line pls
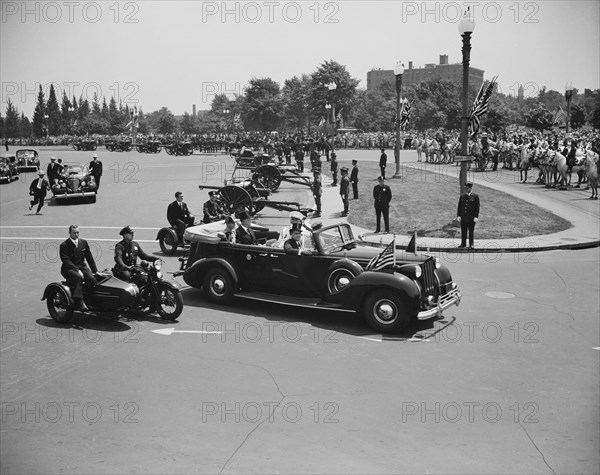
(175, 54)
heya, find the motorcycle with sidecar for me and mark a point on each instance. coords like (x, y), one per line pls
(147, 293)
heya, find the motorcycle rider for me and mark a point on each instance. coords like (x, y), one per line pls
(127, 252)
(179, 216)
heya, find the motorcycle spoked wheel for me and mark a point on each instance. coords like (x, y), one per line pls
(168, 303)
(58, 306)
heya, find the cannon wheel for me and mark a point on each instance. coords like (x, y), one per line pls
(169, 149)
(267, 176)
(235, 199)
(258, 202)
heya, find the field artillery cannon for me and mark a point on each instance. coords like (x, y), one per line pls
(246, 196)
(85, 145)
(150, 146)
(119, 145)
(179, 148)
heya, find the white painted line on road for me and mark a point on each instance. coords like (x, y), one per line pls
(596, 348)
(18, 238)
(169, 331)
(81, 227)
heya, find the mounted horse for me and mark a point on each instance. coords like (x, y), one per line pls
(434, 151)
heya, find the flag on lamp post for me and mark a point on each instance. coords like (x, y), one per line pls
(480, 106)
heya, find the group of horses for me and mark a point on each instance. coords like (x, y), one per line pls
(554, 171)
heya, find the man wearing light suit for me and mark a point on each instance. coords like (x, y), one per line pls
(74, 252)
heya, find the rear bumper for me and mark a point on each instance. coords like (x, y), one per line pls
(451, 298)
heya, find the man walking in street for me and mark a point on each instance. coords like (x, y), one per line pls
(382, 194)
(354, 179)
(382, 162)
(96, 170)
(344, 189)
(467, 215)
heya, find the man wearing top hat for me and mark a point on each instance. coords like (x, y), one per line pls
(212, 210)
(127, 252)
(467, 215)
(95, 168)
(244, 234)
(38, 189)
(344, 189)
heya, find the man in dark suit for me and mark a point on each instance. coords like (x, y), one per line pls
(95, 168)
(179, 216)
(467, 215)
(334, 168)
(344, 189)
(383, 162)
(294, 244)
(127, 252)
(74, 252)
(212, 210)
(244, 234)
(354, 179)
(53, 170)
(38, 189)
(382, 194)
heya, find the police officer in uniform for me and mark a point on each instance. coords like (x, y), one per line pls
(127, 252)
(467, 215)
(212, 210)
(334, 168)
(344, 189)
(382, 194)
(317, 190)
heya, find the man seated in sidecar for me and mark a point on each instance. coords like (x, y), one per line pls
(179, 216)
(127, 252)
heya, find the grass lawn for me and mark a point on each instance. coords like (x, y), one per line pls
(427, 202)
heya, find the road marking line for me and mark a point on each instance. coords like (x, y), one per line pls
(18, 238)
(62, 227)
(169, 331)
(596, 348)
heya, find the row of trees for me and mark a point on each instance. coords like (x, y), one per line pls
(300, 104)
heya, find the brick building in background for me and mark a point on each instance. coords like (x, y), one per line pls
(443, 70)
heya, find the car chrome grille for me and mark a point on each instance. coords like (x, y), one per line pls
(73, 183)
(428, 279)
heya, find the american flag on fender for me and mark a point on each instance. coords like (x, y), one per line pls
(385, 258)
(480, 106)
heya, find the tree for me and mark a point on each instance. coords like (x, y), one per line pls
(263, 104)
(53, 112)
(577, 116)
(95, 105)
(25, 126)
(188, 124)
(595, 115)
(39, 122)
(341, 98)
(11, 123)
(104, 113)
(295, 94)
(539, 118)
(162, 121)
(67, 117)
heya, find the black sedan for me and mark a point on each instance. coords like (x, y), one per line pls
(8, 169)
(27, 160)
(337, 274)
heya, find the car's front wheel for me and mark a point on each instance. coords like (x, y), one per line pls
(218, 286)
(384, 311)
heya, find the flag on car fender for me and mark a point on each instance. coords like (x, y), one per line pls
(385, 258)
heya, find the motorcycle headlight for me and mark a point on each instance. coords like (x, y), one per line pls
(418, 271)
(158, 264)
(159, 275)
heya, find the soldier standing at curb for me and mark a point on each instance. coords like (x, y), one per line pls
(317, 190)
(382, 162)
(354, 179)
(300, 159)
(344, 189)
(334, 168)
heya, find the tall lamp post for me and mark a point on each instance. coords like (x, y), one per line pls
(226, 112)
(46, 123)
(332, 86)
(568, 97)
(465, 28)
(398, 72)
(71, 109)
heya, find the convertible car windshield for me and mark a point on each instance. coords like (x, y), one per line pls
(335, 239)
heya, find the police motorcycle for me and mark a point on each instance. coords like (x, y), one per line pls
(147, 293)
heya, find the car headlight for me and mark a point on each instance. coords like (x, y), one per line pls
(438, 264)
(418, 271)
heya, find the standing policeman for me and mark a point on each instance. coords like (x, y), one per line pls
(467, 215)
(382, 194)
(317, 190)
(344, 189)
(334, 168)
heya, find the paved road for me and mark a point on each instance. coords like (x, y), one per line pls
(511, 387)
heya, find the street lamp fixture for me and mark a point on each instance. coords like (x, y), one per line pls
(71, 109)
(331, 87)
(398, 72)
(466, 26)
(46, 122)
(568, 96)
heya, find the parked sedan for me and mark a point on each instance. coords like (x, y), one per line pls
(337, 274)
(27, 160)
(8, 169)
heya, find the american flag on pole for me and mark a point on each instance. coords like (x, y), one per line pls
(480, 106)
(405, 114)
(560, 116)
(322, 121)
(385, 258)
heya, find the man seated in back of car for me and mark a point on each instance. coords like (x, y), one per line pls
(228, 235)
(126, 254)
(244, 233)
(294, 244)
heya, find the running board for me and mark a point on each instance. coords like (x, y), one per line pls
(293, 301)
